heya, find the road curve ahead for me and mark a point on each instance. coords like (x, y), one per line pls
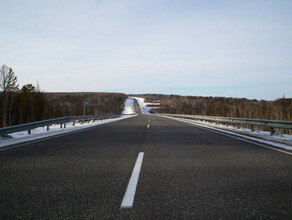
(182, 172)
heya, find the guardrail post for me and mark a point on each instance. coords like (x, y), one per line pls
(272, 131)
(47, 123)
(252, 128)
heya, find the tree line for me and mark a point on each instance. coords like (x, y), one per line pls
(280, 109)
(30, 104)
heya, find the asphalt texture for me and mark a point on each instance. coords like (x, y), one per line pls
(187, 173)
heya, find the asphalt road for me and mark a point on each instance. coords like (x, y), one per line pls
(187, 173)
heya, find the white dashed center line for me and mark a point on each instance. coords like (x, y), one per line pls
(148, 126)
(129, 196)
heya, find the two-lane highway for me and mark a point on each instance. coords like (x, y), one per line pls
(186, 173)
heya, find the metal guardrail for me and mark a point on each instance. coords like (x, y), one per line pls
(62, 121)
(272, 124)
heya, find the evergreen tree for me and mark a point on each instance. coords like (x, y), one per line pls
(8, 86)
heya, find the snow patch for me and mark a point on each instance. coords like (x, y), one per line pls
(280, 141)
(143, 105)
(41, 132)
(129, 106)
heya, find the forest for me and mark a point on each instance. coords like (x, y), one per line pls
(29, 103)
(279, 109)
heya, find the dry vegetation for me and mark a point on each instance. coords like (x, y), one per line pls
(62, 104)
(29, 105)
(280, 109)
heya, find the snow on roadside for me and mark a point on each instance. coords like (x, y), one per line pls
(281, 141)
(41, 132)
(129, 106)
(143, 105)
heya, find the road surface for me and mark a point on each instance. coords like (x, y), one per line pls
(186, 173)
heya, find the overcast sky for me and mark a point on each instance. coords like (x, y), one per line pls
(187, 47)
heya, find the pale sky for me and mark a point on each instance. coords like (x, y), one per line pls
(186, 47)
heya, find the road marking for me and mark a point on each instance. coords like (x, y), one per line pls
(222, 132)
(148, 126)
(56, 135)
(129, 196)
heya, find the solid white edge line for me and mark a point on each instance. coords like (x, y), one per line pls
(129, 196)
(222, 132)
(56, 135)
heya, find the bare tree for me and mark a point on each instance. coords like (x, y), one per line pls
(8, 85)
